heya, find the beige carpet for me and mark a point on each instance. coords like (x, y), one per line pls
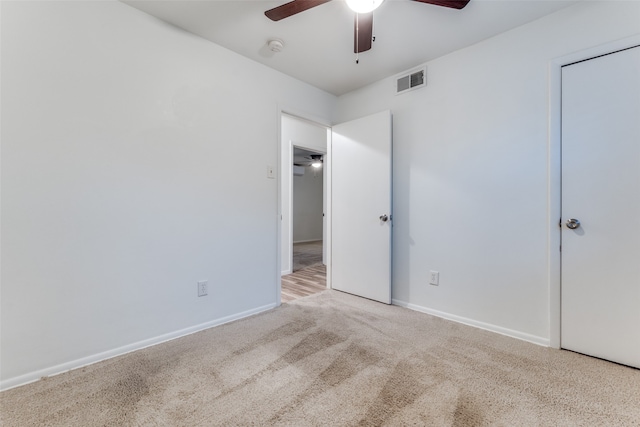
(332, 359)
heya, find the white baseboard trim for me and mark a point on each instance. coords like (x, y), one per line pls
(89, 360)
(477, 324)
(285, 272)
(308, 241)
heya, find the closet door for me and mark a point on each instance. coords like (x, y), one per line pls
(601, 207)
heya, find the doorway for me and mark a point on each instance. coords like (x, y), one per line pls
(600, 228)
(308, 270)
(304, 222)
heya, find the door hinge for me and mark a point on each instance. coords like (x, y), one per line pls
(560, 223)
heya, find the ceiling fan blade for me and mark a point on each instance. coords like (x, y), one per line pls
(454, 4)
(363, 32)
(291, 8)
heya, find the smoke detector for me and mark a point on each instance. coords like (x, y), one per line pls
(275, 45)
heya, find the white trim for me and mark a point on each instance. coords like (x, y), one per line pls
(476, 324)
(554, 202)
(554, 172)
(278, 279)
(89, 360)
(288, 170)
(328, 208)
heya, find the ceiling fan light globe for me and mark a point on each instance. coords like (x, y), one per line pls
(363, 6)
(316, 164)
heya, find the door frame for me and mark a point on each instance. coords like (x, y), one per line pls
(281, 168)
(554, 165)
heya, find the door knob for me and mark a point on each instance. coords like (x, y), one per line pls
(573, 223)
(384, 218)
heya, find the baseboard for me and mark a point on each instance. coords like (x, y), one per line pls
(89, 360)
(285, 272)
(470, 322)
(308, 241)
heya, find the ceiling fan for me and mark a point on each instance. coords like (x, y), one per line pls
(363, 31)
(314, 160)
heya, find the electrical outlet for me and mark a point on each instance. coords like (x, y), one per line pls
(434, 278)
(203, 286)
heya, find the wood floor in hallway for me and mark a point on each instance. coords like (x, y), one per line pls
(304, 282)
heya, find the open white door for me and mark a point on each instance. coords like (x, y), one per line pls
(361, 207)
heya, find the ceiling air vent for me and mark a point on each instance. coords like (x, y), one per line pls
(414, 80)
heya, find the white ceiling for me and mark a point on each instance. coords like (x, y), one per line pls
(319, 42)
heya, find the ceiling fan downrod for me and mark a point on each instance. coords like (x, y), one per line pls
(357, 38)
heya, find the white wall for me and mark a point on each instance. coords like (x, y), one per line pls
(305, 134)
(307, 205)
(471, 170)
(132, 167)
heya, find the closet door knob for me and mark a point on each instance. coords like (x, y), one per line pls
(573, 223)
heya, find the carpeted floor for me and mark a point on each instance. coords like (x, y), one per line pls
(332, 359)
(306, 254)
